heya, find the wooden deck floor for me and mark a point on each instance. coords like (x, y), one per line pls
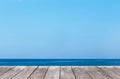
(59, 72)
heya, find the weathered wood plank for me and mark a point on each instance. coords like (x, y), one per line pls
(53, 73)
(81, 72)
(109, 73)
(39, 73)
(25, 73)
(67, 73)
(117, 70)
(12, 72)
(4, 69)
(92, 71)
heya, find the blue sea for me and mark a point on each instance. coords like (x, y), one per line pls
(59, 62)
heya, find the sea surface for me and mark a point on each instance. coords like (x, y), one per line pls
(59, 62)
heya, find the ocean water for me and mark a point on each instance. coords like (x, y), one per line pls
(59, 62)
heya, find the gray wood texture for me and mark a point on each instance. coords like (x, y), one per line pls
(67, 73)
(81, 72)
(4, 69)
(108, 71)
(11, 73)
(25, 73)
(59, 72)
(95, 74)
(53, 73)
(39, 73)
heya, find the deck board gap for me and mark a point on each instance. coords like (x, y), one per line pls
(17, 74)
(7, 70)
(32, 72)
(46, 72)
(73, 73)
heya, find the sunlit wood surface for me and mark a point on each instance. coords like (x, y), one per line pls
(59, 72)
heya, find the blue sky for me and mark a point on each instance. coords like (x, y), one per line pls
(59, 29)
